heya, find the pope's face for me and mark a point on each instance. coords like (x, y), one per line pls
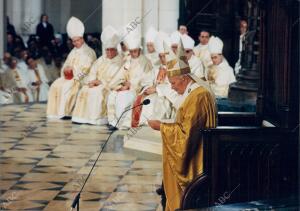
(134, 53)
(216, 58)
(150, 47)
(111, 53)
(204, 38)
(178, 83)
(77, 42)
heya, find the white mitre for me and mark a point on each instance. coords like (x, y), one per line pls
(215, 45)
(133, 39)
(75, 28)
(188, 42)
(110, 37)
(159, 41)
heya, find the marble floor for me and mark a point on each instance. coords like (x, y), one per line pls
(43, 164)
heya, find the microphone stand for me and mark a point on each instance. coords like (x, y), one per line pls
(77, 198)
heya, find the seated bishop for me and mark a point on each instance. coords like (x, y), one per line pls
(152, 53)
(91, 103)
(133, 76)
(220, 74)
(162, 97)
(16, 84)
(64, 90)
(38, 81)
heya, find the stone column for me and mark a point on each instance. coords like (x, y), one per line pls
(32, 12)
(14, 10)
(25, 14)
(168, 15)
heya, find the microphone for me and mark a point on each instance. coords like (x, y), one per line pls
(77, 198)
(146, 102)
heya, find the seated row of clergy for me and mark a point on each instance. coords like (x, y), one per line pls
(23, 85)
(212, 67)
(97, 92)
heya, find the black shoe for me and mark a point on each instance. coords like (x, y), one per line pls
(160, 190)
(112, 128)
(66, 118)
(77, 123)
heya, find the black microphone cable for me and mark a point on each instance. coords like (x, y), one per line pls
(76, 199)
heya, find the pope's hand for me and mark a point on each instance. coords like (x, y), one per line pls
(150, 90)
(154, 124)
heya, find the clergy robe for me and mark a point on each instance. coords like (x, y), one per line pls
(40, 92)
(183, 144)
(136, 71)
(5, 97)
(63, 91)
(220, 77)
(202, 52)
(125, 55)
(51, 71)
(196, 67)
(3, 67)
(91, 103)
(14, 79)
(154, 59)
(161, 103)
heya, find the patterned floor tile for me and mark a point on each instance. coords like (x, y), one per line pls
(45, 163)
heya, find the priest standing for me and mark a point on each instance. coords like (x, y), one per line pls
(64, 90)
(182, 142)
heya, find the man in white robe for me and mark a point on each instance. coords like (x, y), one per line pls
(5, 96)
(51, 71)
(91, 103)
(220, 75)
(194, 62)
(64, 90)
(151, 54)
(160, 93)
(38, 82)
(5, 62)
(175, 40)
(22, 61)
(130, 80)
(15, 84)
(201, 50)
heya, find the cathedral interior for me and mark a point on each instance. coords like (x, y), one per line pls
(251, 159)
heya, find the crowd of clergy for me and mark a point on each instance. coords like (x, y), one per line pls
(97, 91)
(180, 80)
